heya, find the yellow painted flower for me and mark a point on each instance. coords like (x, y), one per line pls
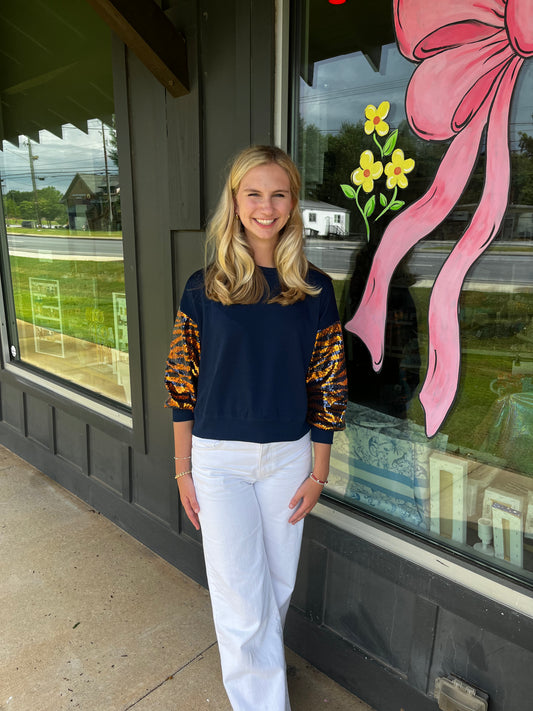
(375, 118)
(368, 171)
(397, 168)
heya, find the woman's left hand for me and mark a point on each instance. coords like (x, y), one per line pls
(304, 500)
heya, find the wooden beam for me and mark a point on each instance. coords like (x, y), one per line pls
(146, 30)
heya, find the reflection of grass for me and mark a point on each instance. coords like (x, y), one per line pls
(85, 291)
(486, 321)
(340, 287)
(490, 323)
(496, 248)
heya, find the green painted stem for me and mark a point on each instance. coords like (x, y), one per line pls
(378, 144)
(362, 213)
(387, 206)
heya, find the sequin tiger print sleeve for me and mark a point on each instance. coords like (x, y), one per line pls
(327, 388)
(183, 365)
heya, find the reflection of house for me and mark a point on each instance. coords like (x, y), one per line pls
(93, 202)
(321, 218)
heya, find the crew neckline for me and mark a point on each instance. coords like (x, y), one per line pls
(269, 269)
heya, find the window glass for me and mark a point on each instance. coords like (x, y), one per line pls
(61, 199)
(439, 435)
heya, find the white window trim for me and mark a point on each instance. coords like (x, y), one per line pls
(507, 594)
(93, 405)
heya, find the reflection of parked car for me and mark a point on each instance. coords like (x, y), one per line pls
(26, 223)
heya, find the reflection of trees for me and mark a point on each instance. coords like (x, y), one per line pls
(50, 204)
(327, 160)
(21, 204)
(11, 209)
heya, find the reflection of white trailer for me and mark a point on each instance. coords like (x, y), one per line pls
(322, 219)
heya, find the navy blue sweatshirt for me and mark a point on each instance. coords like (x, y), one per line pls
(258, 372)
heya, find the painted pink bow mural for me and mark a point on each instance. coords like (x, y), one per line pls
(469, 53)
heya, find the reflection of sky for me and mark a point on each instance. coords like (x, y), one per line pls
(343, 87)
(59, 159)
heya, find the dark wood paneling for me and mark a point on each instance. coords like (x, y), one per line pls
(129, 241)
(180, 551)
(421, 643)
(71, 439)
(500, 668)
(148, 134)
(188, 249)
(367, 610)
(381, 687)
(309, 593)
(43, 459)
(12, 407)
(401, 626)
(153, 485)
(237, 41)
(262, 56)
(108, 461)
(185, 148)
(39, 426)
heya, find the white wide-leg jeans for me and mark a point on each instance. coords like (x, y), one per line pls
(251, 555)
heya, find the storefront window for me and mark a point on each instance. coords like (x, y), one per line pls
(64, 276)
(439, 435)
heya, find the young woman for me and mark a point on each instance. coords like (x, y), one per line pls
(257, 379)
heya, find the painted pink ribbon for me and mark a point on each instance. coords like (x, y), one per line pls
(469, 53)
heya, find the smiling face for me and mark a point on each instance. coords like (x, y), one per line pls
(263, 203)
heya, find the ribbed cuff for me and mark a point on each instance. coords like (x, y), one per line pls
(182, 415)
(320, 435)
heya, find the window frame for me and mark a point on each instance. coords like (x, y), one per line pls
(435, 555)
(96, 408)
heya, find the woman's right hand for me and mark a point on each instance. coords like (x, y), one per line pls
(189, 500)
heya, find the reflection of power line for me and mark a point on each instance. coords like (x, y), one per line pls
(322, 96)
(57, 173)
(61, 163)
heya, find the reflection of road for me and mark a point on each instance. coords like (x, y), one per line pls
(64, 247)
(335, 257)
(426, 259)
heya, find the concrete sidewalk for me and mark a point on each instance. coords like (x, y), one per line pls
(91, 619)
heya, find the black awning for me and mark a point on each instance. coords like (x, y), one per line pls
(55, 67)
(335, 30)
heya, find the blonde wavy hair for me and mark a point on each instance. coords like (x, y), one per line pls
(231, 275)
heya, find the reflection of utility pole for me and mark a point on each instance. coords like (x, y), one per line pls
(110, 213)
(34, 184)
